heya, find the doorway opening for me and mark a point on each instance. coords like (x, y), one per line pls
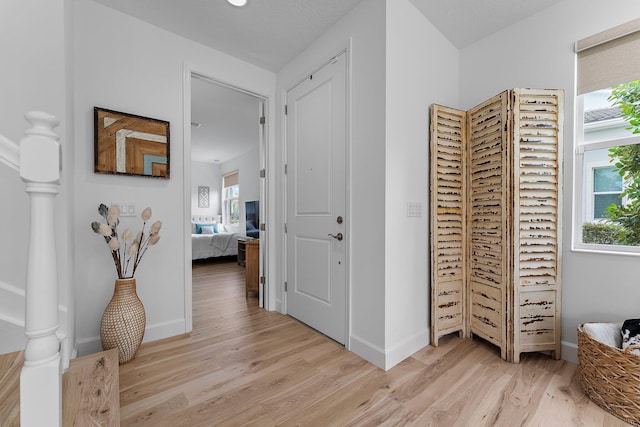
(225, 163)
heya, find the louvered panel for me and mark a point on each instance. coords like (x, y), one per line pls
(503, 256)
(488, 247)
(537, 119)
(448, 218)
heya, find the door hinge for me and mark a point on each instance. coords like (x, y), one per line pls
(285, 286)
(263, 173)
(263, 226)
(285, 227)
(285, 109)
(263, 280)
(286, 169)
(263, 120)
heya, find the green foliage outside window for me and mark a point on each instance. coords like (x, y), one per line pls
(626, 160)
(602, 233)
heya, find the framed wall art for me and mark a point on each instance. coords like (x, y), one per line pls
(126, 144)
(203, 197)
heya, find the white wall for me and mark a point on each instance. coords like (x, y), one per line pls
(364, 29)
(248, 167)
(422, 69)
(124, 64)
(539, 52)
(206, 174)
(34, 45)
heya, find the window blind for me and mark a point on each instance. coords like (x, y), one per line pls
(609, 58)
(230, 179)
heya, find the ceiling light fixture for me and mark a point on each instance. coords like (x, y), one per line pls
(238, 3)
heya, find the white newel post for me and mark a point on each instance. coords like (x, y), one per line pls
(40, 380)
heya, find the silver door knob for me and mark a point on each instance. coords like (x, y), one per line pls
(338, 236)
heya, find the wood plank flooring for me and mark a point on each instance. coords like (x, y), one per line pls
(10, 367)
(244, 366)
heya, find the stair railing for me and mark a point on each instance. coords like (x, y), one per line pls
(37, 159)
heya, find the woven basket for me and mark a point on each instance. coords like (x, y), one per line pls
(610, 377)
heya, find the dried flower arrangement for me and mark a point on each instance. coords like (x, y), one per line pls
(125, 251)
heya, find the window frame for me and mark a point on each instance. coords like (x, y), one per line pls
(580, 180)
(228, 203)
(602, 60)
(591, 200)
(230, 181)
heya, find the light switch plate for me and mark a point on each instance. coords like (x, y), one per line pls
(414, 209)
(126, 208)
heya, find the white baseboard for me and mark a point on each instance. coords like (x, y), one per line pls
(387, 359)
(88, 345)
(569, 351)
(367, 351)
(154, 332)
(164, 330)
(406, 348)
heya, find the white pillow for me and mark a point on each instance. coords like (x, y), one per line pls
(193, 227)
(221, 227)
(207, 229)
(606, 333)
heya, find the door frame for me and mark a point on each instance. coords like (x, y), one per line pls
(348, 179)
(190, 71)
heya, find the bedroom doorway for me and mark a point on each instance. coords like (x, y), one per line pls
(227, 152)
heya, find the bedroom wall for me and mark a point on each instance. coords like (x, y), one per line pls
(34, 37)
(206, 174)
(539, 52)
(127, 65)
(363, 30)
(413, 83)
(248, 167)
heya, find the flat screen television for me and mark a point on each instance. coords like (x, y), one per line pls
(252, 215)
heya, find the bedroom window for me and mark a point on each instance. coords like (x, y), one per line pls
(231, 200)
(607, 142)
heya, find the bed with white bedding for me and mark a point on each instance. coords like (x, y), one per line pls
(210, 239)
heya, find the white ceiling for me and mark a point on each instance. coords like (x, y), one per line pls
(267, 33)
(229, 122)
(463, 22)
(270, 33)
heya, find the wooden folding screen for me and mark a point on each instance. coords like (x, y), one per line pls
(499, 276)
(537, 118)
(488, 262)
(448, 221)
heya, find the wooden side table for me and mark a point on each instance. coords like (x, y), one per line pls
(252, 264)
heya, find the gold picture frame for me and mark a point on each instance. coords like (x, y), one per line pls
(127, 144)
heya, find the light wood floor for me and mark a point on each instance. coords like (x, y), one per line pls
(10, 366)
(245, 366)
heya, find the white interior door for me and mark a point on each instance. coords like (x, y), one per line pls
(316, 200)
